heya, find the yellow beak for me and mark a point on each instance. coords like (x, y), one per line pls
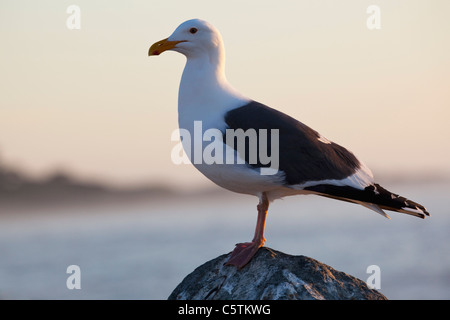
(159, 47)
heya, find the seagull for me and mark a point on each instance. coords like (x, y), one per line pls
(307, 162)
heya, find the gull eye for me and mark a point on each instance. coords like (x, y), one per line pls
(193, 30)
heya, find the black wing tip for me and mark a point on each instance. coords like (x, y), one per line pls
(413, 210)
(374, 194)
(395, 202)
(425, 214)
(417, 208)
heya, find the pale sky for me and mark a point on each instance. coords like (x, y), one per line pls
(92, 102)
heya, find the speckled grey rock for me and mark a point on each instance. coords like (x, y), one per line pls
(272, 275)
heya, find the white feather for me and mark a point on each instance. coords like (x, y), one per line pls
(361, 179)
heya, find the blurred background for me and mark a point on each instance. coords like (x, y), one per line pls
(86, 118)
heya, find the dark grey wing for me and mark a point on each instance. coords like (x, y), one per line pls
(302, 156)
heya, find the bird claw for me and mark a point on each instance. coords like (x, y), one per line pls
(243, 253)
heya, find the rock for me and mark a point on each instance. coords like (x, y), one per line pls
(272, 275)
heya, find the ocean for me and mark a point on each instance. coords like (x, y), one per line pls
(144, 251)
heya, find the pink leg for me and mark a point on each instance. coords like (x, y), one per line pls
(244, 252)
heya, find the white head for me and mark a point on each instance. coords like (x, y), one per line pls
(203, 83)
(195, 39)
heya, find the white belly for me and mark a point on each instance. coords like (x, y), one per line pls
(240, 178)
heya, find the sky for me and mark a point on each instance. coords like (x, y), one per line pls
(90, 101)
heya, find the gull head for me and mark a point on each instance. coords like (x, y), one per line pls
(194, 38)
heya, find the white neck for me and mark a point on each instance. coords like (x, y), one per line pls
(204, 89)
